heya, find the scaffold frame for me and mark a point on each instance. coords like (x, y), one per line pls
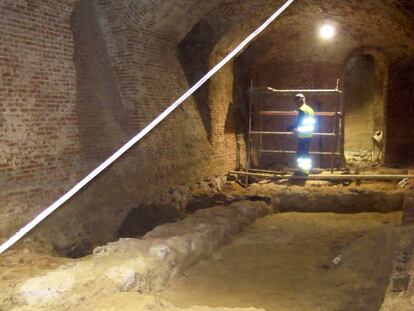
(338, 115)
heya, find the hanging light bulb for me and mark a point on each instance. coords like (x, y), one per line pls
(327, 31)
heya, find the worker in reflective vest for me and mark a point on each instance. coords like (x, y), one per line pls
(303, 128)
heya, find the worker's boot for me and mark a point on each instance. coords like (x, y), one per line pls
(301, 172)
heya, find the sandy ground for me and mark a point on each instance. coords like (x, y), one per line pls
(26, 260)
(284, 262)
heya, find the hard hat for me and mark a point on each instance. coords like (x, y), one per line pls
(299, 96)
(378, 137)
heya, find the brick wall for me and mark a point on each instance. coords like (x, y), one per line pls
(39, 137)
(400, 113)
(103, 116)
(116, 71)
(78, 82)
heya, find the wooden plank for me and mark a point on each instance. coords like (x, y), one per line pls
(287, 133)
(272, 90)
(295, 113)
(294, 152)
(325, 177)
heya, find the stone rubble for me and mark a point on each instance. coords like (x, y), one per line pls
(346, 200)
(143, 265)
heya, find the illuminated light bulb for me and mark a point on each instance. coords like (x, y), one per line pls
(327, 32)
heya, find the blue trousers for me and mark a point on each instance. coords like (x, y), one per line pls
(303, 148)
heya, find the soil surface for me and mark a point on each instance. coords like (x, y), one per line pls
(285, 262)
(282, 262)
(27, 259)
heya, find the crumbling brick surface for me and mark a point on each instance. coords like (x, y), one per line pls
(39, 137)
(78, 81)
(79, 78)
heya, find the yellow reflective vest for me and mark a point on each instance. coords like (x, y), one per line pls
(306, 122)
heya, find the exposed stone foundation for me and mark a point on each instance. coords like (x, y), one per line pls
(144, 265)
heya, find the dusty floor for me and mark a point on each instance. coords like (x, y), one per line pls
(24, 261)
(284, 262)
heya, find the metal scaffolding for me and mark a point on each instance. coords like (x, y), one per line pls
(336, 154)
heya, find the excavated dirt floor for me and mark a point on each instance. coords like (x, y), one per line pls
(284, 262)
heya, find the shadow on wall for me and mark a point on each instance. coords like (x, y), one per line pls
(400, 113)
(103, 121)
(241, 95)
(193, 53)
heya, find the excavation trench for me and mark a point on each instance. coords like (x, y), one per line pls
(285, 262)
(266, 247)
(324, 250)
(144, 218)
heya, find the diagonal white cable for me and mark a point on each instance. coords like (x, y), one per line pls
(140, 135)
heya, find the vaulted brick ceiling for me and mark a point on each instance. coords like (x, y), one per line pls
(386, 26)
